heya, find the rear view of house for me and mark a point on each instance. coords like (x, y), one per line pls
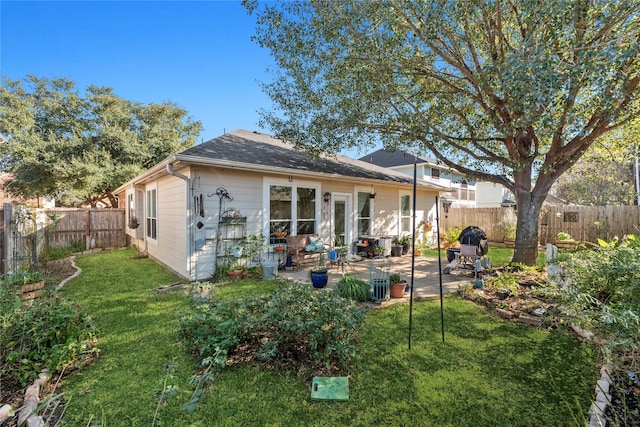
(184, 203)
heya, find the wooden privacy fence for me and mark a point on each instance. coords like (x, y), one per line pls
(24, 233)
(96, 228)
(583, 223)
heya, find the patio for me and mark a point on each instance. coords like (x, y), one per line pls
(426, 280)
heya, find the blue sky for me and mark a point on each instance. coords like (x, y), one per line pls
(197, 54)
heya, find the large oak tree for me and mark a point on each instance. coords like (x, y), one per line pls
(507, 91)
(79, 147)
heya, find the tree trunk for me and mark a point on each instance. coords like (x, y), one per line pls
(526, 245)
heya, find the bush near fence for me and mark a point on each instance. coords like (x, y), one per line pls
(583, 223)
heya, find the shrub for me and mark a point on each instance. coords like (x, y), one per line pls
(353, 288)
(604, 294)
(48, 332)
(296, 328)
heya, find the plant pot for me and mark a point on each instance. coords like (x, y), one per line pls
(397, 290)
(234, 274)
(280, 235)
(319, 278)
(233, 220)
(565, 244)
(396, 250)
(278, 248)
(133, 226)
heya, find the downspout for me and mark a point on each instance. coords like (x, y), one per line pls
(189, 221)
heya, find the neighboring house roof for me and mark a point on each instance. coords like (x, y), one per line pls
(260, 152)
(389, 158)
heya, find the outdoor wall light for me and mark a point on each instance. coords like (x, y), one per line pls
(446, 204)
(327, 197)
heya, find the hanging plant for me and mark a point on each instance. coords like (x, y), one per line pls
(134, 222)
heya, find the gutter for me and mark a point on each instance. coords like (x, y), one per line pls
(189, 228)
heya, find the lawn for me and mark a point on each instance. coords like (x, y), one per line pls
(489, 372)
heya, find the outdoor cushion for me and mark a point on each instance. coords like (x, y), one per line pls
(315, 245)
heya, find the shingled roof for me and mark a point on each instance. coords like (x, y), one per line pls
(256, 150)
(389, 158)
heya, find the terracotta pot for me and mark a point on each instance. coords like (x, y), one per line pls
(234, 274)
(397, 290)
(280, 235)
(278, 248)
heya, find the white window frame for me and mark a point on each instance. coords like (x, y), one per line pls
(151, 213)
(400, 216)
(267, 183)
(357, 211)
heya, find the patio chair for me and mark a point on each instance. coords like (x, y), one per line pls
(468, 255)
(379, 279)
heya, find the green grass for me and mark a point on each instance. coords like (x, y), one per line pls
(487, 373)
(497, 254)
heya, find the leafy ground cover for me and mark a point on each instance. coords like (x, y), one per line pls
(487, 372)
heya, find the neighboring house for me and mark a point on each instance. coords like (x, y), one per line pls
(180, 201)
(35, 202)
(462, 192)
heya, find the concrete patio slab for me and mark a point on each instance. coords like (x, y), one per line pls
(426, 280)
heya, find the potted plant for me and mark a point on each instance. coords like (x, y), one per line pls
(396, 247)
(235, 271)
(397, 285)
(405, 241)
(134, 222)
(319, 274)
(232, 216)
(451, 236)
(507, 226)
(565, 241)
(279, 232)
(378, 250)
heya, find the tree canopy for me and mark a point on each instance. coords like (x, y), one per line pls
(506, 91)
(78, 148)
(605, 174)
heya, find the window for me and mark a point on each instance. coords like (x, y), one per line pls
(292, 210)
(130, 207)
(152, 214)
(364, 214)
(405, 213)
(435, 173)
